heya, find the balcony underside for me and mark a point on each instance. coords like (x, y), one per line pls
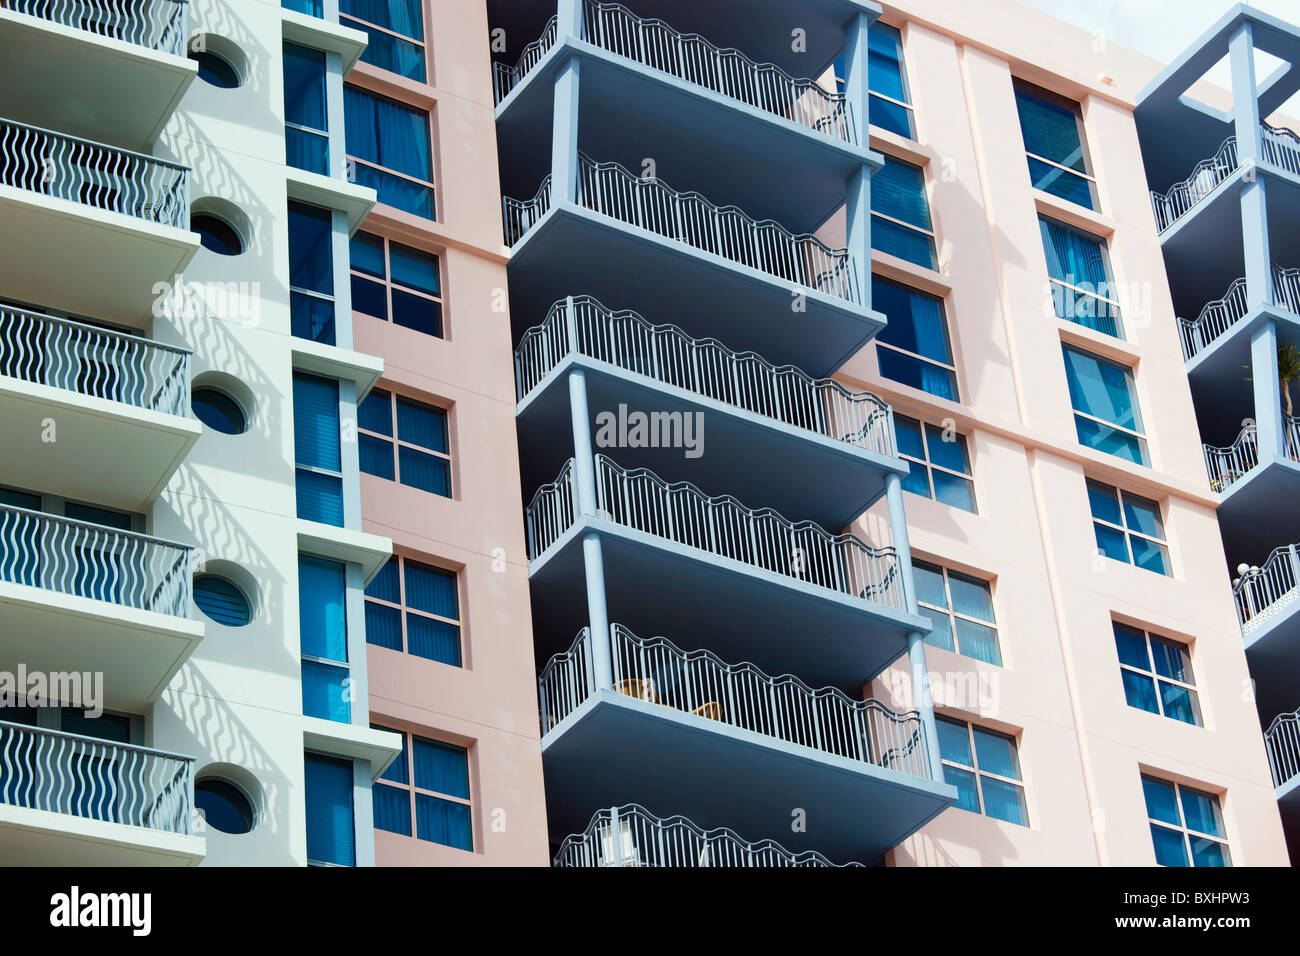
(771, 167)
(615, 750)
(109, 452)
(44, 838)
(1218, 373)
(574, 251)
(138, 652)
(1203, 249)
(58, 254)
(78, 82)
(801, 474)
(740, 612)
(1273, 652)
(1258, 512)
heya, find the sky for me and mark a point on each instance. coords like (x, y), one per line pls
(1161, 29)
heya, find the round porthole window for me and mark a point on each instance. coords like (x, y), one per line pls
(225, 807)
(218, 411)
(215, 69)
(216, 234)
(222, 601)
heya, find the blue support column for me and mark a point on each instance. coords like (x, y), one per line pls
(568, 19)
(1268, 393)
(1247, 129)
(564, 136)
(856, 94)
(584, 477)
(858, 199)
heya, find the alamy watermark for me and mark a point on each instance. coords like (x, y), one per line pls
(82, 690)
(638, 429)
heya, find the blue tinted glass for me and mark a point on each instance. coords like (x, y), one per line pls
(391, 53)
(996, 753)
(367, 254)
(433, 640)
(375, 414)
(322, 624)
(320, 497)
(947, 449)
(369, 297)
(376, 457)
(885, 62)
(1101, 388)
(386, 585)
(440, 767)
(979, 642)
(1180, 703)
(316, 422)
(1161, 803)
(954, 742)
(1209, 853)
(218, 411)
(915, 320)
(224, 806)
(413, 268)
(422, 425)
(1110, 440)
(311, 258)
(917, 480)
(424, 471)
(1111, 542)
(397, 16)
(903, 241)
(1171, 848)
(311, 318)
(1069, 186)
(432, 590)
(908, 431)
(929, 584)
(396, 771)
(1131, 645)
(1103, 501)
(325, 692)
(967, 795)
(328, 792)
(918, 373)
(220, 600)
(1171, 660)
(1050, 128)
(941, 636)
(1201, 812)
(392, 809)
(444, 822)
(953, 491)
(383, 626)
(1004, 801)
(898, 191)
(416, 312)
(1149, 555)
(304, 86)
(1142, 515)
(1140, 691)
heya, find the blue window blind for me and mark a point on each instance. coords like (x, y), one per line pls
(384, 620)
(1128, 527)
(1105, 412)
(1053, 135)
(311, 273)
(220, 600)
(390, 144)
(984, 766)
(913, 348)
(961, 609)
(1082, 289)
(411, 296)
(405, 440)
(393, 804)
(327, 785)
(316, 449)
(900, 220)
(323, 637)
(408, 591)
(445, 769)
(306, 128)
(887, 79)
(393, 53)
(1187, 826)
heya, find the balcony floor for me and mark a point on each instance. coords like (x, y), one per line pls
(739, 611)
(615, 750)
(575, 251)
(43, 838)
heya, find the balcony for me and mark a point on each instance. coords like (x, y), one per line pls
(1282, 743)
(649, 89)
(726, 741)
(829, 449)
(714, 268)
(748, 578)
(116, 400)
(646, 840)
(69, 800)
(102, 69)
(1247, 490)
(89, 229)
(1268, 607)
(1216, 344)
(82, 597)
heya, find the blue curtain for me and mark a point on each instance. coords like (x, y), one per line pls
(433, 640)
(392, 809)
(316, 422)
(443, 768)
(898, 191)
(387, 585)
(394, 137)
(422, 425)
(376, 413)
(383, 626)
(400, 16)
(328, 788)
(432, 590)
(444, 822)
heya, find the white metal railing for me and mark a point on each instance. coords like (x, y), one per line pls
(153, 24)
(740, 695)
(1228, 465)
(725, 231)
(1281, 148)
(703, 366)
(1182, 196)
(92, 174)
(1265, 592)
(93, 561)
(632, 836)
(520, 215)
(1222, 314)
(93, 361)
(691, 57)
(723, 526)
(95, 779)
(1282, 742)
(505, 77)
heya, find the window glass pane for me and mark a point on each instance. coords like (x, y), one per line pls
(444, 822)
(375, 414)
(891, 116)
(929, 584)
(916, 320)
(1101, 389)
(941, 636)
(311, 318)
(1161, 803)
(1180, 703)
(392, 809)
(1111, 543)
(325, 693)
(953, 491)
(114, 727)
(964, 781)
(304, 86)
(1171, 847)
(1143, 516)
(386, 585)
(316, 422)
(885, 63)
(320, 497)
(327, 788)
(898, 191)
(1149, 555)
(917, 480)
(422, 425)
(396, 771)
(376, 457)
(417, 313)
(1140, 691)
(1201, 812)
(908, 431)
(1132, 647)
(433, 640)
(1209, 853)
(399, 16)
(424, 471)
(902, 241)
(996, 753)
(1171, 660)
(917, 373)
(1050, 129)
(391, 53)
(1069, 186)
(1074, 256)
(954, 741)
(322, 624)
(441, 767)
(387, 133)
(978, 641)
(432, 590)
(367, 254)
(950, 453)
(413, 268)
(970, 596)
(1004, 801)
(369, 298)
(1110, 440)
(383, 626)
(311, 238)
(1103, 501)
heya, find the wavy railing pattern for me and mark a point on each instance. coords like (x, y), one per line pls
(1228, 465)
(153, 24)
(741, 695)
(1182, 196)
(505, 77)
(1282, 743)
(705, 367)
(102, 177)
(553, 509)
(1281, 148)
(632, 836)
(1265, 592)
(92, 561)
(1222, 314)
(100, 363)
(520, 215)
(95, 779)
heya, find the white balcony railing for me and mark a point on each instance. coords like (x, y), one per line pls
(632, 836)
(96, 362)
(722, 526)
(102, 177)
(505, 77)
(705, 367)
(92, 561)
(1229, 464)
(1282, 742)
(740, 695)
(95, 779)
(1222, 314)
(153, 24)
(1270, 590)
(1281, 148)
(689, 218)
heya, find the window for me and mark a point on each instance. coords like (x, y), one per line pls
(900, 213)
(306, 129)
(218, 411)
(415, 452)
(221, 600)
(389, 145)
(396, 283)
(1157, 674)
(1054, 145)
(396, 32)
(984, 766)
(890, 104)
(311, 273)
(415, 608)
(913, 348)
(1186, 824)
(1083, 291)
(438, 798)
(225, 807)
(1128, 527)
(940, 467)
(216, 235)
(1106, 415)
(313, 8)
(323, 639)
(961, 609)
(327, 787)
(215, 70)
(319, 474)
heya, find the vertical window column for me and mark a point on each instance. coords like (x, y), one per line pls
(317, 449)
(306, 118)
(323, 637)
(331, 817)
